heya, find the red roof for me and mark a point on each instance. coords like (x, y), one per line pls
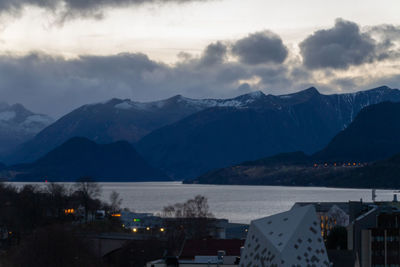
(210, 247)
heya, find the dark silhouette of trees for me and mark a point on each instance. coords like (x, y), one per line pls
(58, 198)
(192, 208)
(189, 220)
(115, 202)
(87, 191)
(50, 246)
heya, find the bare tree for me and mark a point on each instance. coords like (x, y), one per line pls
(193, 208)
(87, 191)
(115, 201)
(58, 197)
(191, 219)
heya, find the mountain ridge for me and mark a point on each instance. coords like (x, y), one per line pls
(79, 156)
(223, 136)
(18, 124)
(366, 154)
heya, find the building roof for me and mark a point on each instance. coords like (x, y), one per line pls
(280, 228)
(286, 239)
(210, 247)
(324, 206)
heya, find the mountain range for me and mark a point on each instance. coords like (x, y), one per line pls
(186, 137)
(266, 125)
(116, 120)
(365, 154)
(18, 125)
(79, 157)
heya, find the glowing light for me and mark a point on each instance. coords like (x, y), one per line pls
(148, 228)
(134, 230)
(162, 229)
(69, 211)
(116, 215)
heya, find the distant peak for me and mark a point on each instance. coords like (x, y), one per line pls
(311, 90)
(177, 97)
(256, 94)
(17, 106)
(253, 95)
(381, 88)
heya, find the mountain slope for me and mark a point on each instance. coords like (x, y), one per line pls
(381, 174)
(372, 136)
(17, 125)
(222, 136)
(81, 157)
(117, 120)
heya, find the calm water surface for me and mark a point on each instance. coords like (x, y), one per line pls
(239, 204)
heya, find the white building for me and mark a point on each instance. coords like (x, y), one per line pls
(288, 239)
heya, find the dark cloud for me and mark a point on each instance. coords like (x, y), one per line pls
(388, 37)
(55, 85)
(67, 9)
(259, 48)
(340, 47)
(215, 53)
(386, 31)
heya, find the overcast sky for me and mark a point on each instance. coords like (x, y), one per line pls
(56, 55)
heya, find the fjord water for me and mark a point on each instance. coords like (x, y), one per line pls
(239, 204)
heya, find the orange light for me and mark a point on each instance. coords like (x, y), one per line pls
(116, 215)
(69, 211)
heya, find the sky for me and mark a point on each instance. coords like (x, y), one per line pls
(56, 55)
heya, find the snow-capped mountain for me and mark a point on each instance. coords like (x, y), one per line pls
(249, 126)
(120, 119)
(17, 125)
(222, 136)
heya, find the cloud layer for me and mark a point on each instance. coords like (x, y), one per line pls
(259, 48)
(339, 47)
(67, 9)
(260, 61)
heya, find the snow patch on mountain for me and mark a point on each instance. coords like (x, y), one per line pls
(123, 105)
(7, 115)
(238, 102)
(38, 118)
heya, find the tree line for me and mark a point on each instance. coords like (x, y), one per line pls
(40, 230)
